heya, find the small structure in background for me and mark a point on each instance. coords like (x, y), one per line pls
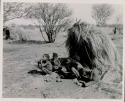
(6, 33)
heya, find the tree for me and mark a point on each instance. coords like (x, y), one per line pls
(101, 13)
(51, 18)
(119, 24)
(119, 19)
(13, 10)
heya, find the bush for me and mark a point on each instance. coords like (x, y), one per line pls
(18, 33)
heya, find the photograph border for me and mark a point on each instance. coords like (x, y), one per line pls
(121, 2)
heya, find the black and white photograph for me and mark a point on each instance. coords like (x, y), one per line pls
(62, 50)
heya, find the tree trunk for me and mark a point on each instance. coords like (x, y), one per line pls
(51, 37)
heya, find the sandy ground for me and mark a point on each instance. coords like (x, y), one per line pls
(17, 83)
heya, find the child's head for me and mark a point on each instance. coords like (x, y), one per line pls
(45, 57)
(55, 55)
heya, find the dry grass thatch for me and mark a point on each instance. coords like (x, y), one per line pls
(95, 49)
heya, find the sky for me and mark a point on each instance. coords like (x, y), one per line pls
(83, 12)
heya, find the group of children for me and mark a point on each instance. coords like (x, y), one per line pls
(64, 67)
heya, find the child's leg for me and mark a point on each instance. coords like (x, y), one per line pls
(77, 77)
(75, 72)
(46, 71)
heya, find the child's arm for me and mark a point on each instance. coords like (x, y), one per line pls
(81, 67)
(44, 64)
(48, 66)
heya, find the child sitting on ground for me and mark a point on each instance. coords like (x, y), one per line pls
(45, 65)
(56, 65)
(56, 62)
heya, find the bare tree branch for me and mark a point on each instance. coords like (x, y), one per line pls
(13, 10)
(53, 17)
(101, 13)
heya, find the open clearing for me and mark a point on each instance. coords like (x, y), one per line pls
(18, 59)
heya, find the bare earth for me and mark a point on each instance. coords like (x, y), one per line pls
(17, 83)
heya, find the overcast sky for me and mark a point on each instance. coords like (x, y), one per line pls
(83, 12)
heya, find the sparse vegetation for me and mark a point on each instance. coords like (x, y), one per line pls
(15, 10)
(51, 18)
(101, 13)
(22, 85)
(30, 43)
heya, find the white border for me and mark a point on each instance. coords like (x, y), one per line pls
(70, 1)
(56, 100)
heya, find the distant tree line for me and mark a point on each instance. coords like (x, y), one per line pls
(52, 18)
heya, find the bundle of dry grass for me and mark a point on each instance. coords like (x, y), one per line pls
(95, 49)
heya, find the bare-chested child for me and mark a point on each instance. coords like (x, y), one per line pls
(45, 65)
(56, 66)
(56, 62)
